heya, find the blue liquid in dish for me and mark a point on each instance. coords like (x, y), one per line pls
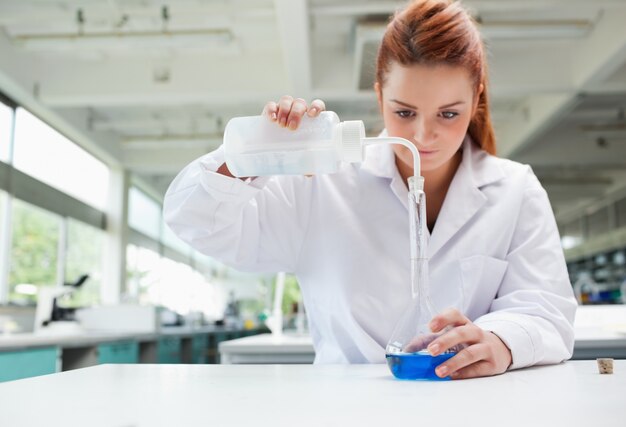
(416, 366)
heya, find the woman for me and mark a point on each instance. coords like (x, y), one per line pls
(494, 248)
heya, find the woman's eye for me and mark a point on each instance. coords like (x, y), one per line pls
(404, 114)
(449, 115)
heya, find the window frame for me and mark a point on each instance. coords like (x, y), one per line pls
(19, 185)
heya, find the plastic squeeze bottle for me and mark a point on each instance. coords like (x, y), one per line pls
(255, 146)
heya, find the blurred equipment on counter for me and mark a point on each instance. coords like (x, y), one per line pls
(274, 322)
(585, 288)
(231, 313)
(599, 278)
(170, 317)
(50, 316)
(134, 318)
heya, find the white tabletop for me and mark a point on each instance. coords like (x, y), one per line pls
(570, 394)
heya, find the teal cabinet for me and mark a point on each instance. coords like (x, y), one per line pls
(199, 347)
(169, 350)
(221, 336)
(119, 352)
(15, 365)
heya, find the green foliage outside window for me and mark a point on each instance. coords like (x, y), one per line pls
(34, 255)
(84, 256)
(291, 295)
(34, 250)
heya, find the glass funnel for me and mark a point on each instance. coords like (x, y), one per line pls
(406, 353)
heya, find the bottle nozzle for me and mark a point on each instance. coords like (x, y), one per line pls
(400, 141)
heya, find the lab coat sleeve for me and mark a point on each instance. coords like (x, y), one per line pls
(255, 225)
(533, 313)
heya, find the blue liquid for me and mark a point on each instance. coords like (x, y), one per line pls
(416, 366)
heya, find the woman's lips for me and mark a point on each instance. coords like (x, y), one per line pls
(427, 152)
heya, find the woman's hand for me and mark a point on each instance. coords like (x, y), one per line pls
(288, 112)
(484, 355)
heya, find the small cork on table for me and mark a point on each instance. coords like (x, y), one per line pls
(605, 366)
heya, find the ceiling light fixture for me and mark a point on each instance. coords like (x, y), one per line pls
(144, 39)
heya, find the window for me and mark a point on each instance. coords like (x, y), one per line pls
(175, 290)
(45, 154)
(6, 119)
(184, 290)
(34, 251)
(142, 267)
(157, 280)
(84, 255)
(171, 240)
(3, 235)
(144, 213)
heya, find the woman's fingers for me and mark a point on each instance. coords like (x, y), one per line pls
(456, 338)
(288, 111)
(419, 343)
(479, 352)
(489, 356)
(271, 110)
(284, 108)
(448, 317)
(483, 368)
(466, 357)
(316, 107)
(298, 108)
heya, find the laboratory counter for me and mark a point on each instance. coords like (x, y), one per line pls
(600, 332)
(24, 341)
(27, 355)
(268, 348)
(570, 394)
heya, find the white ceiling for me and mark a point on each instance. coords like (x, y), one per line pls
(150, 88)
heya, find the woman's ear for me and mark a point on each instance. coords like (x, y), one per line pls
(379, 96)
(479, 92)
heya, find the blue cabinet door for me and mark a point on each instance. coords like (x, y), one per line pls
(119, 352)
(169, 350)
(199, 347)
(15, 365)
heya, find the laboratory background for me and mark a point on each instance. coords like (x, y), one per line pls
(102, 103)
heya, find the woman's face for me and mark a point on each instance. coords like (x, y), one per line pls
(431, 106)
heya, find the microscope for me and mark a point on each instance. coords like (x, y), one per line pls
(50, 316)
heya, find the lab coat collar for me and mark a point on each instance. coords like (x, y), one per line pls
(380, 161)
(479, 167)
(465, 197)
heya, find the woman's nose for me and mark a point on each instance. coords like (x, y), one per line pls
(423, 133)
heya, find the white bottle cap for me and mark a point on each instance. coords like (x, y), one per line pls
(352, 133)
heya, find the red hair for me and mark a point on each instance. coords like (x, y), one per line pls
(440, 32)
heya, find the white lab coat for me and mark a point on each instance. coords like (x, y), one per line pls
(494, 253)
